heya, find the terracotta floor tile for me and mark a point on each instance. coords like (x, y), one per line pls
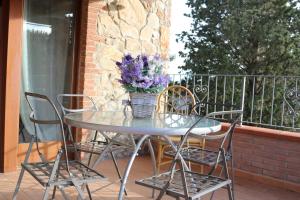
(31, 190)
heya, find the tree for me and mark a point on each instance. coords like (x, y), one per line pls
(243, 37)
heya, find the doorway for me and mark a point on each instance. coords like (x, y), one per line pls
(48, 60)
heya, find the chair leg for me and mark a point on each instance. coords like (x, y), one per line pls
(88, 191)
(117, 169)
(230, 193)
(226, 174)
(202, 145)
(23, 170)
(18, 184)
(46, 193)
(54, 192)
(79, 190)
(184, 182)
(164, 189)
(63, 193)
(91, 154)
(232, 176)
(212, 194)
(159, 156)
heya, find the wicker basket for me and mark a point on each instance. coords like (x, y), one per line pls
(143, 104)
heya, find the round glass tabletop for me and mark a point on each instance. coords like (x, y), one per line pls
(123, 122)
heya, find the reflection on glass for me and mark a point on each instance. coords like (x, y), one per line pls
(48, 55)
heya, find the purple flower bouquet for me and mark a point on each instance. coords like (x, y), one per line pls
(142, 77)
(142, 74)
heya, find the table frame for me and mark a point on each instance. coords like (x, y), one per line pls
(145, 137)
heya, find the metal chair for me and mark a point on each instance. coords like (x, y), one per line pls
(110, 146)
(188, 184)
(180, 100)
(62, 172)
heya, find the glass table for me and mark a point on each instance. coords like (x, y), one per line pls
(162, 125)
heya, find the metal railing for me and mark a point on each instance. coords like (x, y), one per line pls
(268, 101)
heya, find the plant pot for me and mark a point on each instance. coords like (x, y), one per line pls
(142, 104)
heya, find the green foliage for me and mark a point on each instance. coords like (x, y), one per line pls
(243, 37)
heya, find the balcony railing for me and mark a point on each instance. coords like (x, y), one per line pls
(268, 101)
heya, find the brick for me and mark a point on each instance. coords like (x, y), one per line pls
(263, 165)
(292, 172)
(293, 159)
(274, 174)
(291, 146)
(252, 169)
(292, 166)
(295, 179)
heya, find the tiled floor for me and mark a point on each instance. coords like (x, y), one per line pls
(31, 190)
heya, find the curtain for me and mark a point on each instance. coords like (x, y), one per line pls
(48, 48)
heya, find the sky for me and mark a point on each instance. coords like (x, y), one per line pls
(179, 23)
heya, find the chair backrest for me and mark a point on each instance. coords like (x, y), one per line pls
(66, 100)
(175, 99)
(57, 120)
(37, 102)
(225, 137)
(198, 107)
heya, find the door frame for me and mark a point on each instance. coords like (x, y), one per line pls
(11, 152)
(11, 74)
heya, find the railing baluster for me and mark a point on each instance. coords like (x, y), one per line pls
(233, 92)
(283, 104)
(208, 83)
(243, 98)
(224, 94)
(262, 100)
(194, 85)
(296, 90)
(216, 94)
(273, 97)
(252, 101)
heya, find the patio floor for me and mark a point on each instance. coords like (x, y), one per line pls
(31, 190)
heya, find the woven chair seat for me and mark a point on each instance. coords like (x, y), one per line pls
(98, 148)
(81, 173)
(198, 155)
(197, 184)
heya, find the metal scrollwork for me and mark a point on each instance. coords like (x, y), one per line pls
(200, 92)
(292, 100)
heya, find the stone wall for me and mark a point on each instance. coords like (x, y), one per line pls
(108, 30)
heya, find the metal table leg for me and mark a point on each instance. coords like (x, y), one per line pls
(152, 154)
(129, 165)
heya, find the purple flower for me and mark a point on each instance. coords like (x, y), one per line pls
(128, 57)
(142, 73)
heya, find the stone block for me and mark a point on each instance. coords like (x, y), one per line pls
(106, 26)
(133, 13)
(132, 45)
(128, 30)
(149, 48)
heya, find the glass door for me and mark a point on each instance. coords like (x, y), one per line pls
(48, 55)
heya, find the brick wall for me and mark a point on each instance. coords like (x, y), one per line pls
(88, 38)
(266, 152)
